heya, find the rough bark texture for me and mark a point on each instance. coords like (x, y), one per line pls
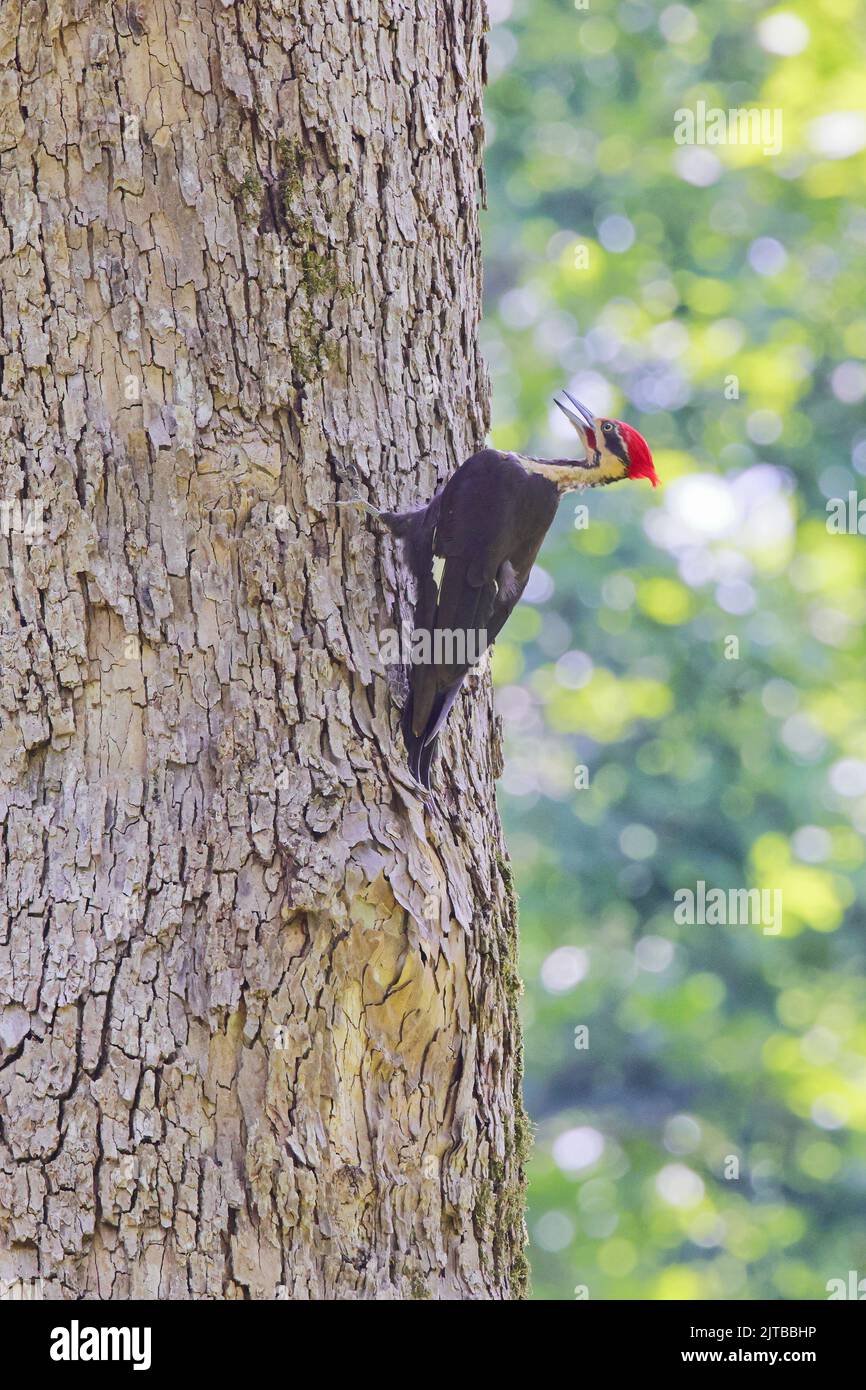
(257, 1006)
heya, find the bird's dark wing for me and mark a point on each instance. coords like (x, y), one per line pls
(487, 524)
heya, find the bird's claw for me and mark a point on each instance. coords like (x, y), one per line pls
(357, 502)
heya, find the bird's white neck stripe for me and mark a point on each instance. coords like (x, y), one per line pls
(565, 478)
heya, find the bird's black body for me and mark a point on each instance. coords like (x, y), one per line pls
(487, 523)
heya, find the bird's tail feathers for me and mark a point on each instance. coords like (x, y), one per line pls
(421, 748)
(414, 746)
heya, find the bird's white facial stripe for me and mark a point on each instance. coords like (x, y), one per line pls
(604, 468)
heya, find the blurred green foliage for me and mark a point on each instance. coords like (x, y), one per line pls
(709, 1140)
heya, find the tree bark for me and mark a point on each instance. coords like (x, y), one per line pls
(257, 1004)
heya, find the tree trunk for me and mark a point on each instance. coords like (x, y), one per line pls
(257, 1004)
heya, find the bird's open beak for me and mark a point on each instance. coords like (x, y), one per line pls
(582, 420)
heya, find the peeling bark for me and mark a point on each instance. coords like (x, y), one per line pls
(258, 1028)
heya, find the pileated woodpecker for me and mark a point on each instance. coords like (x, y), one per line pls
(487, 524)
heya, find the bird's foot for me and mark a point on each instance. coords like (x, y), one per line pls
(358, 502)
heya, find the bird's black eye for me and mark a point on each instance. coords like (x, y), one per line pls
(607, 425)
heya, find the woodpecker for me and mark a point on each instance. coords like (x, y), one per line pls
(487, 525)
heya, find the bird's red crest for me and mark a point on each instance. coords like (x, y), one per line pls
(640, 460)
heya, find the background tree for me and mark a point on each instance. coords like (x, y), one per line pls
(713, 295)
(258, 1016)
